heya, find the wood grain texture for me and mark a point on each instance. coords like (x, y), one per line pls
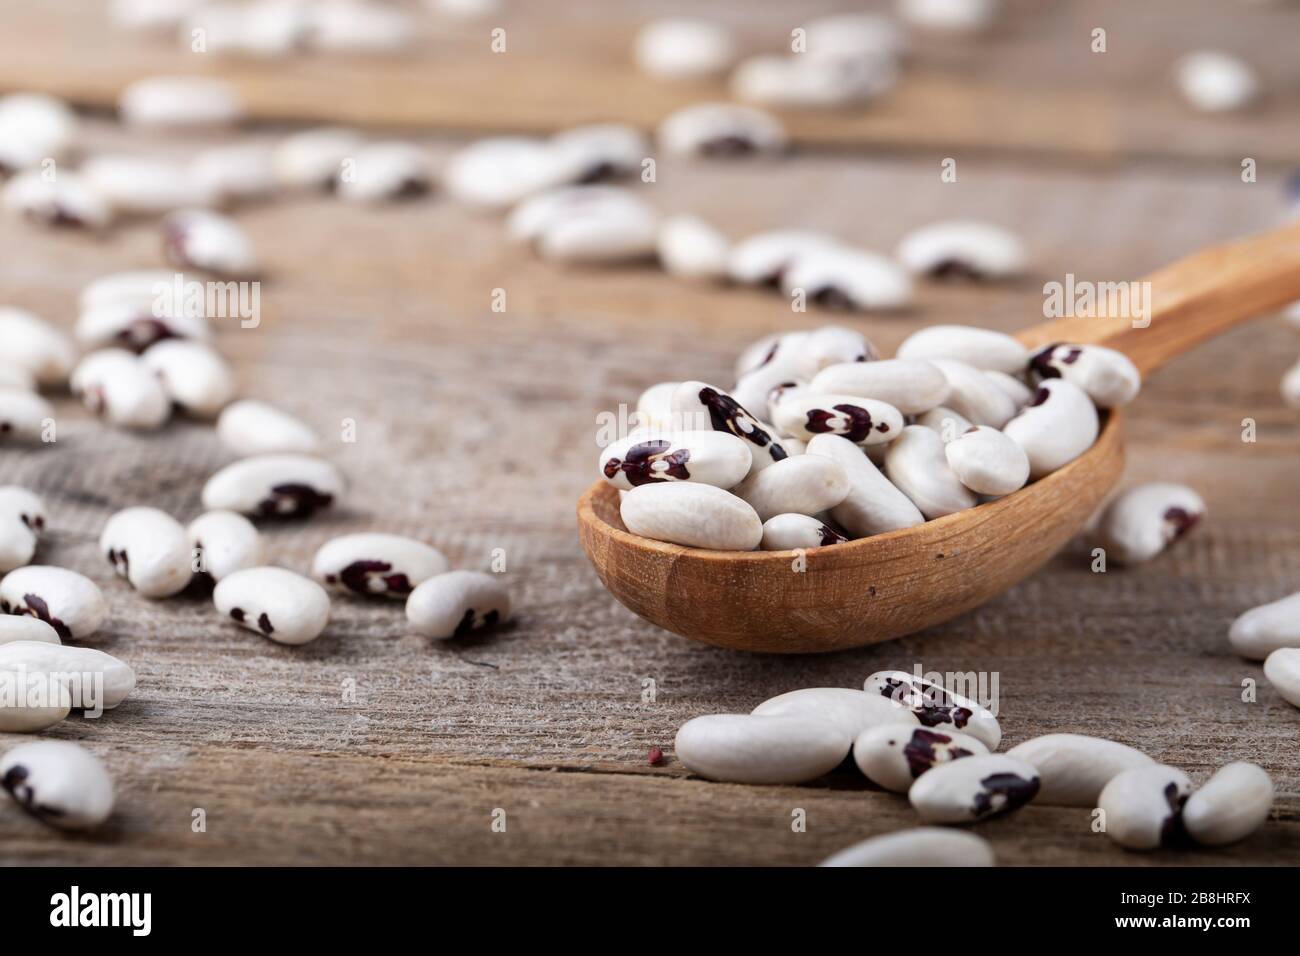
(1031, 85)
(477, 430)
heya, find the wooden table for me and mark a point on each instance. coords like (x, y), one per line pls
(476, 429)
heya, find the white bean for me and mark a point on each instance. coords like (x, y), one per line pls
(250, 427)
(1016, 390)
(763, 387)
(624, 230)
(840, 277)
(946, 422)
(681, 48)
(59, 783)
(973, 788)
(121, 389)
(816, 82)
(720, 130)
(223, 542)
(150, 549)
(654, 407)
(377, 565)
(209, 241)
(851, 711)
(1215, 82)
(89, 671)
(64, 201)
(1109, 377)
(1262, 630)
(285, 486)
(498, 172)
(1282, 668)
(145, 186)
(351, 26)
(1058, 426)
(15, 376)
(599, 151)
(936, 706)
(194, 375)
(137, 288)
(180, 101)
(691, 248)
(1143, 806)
(34, 128)
(763, 258)
(14, 628)
(22, 519)
(692, 514)
(979, 348)
(31, 701)
(806, 484)
(986, 461)
(853, 35)
(873, 505)
(23, 415)
(747, 748)
(135, 326)
(973, 395)
(915, 462)
(964, 249)
(788, 532)
(382, 172)
(286, 607)
(834, 345)
(919, 846)
(32, 344)
(459, 602)
(949, 16)
(863, 421)
(1142, 521)
(714, 458)
(912, 387)
(313, 158)
(894, 756)
(67, 601)
(1230, 806)
(1074, 768)
(235, 173)
(1290, 386)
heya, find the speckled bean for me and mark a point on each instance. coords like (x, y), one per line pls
(1143, 806)
(1142, 521)
(1058, 426)
(459, 602)
(973, 788)
(894, 756)
(377, 565)
(69, 602)
(286, 607)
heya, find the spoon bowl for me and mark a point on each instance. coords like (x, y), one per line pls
(860, 592)
(876, 588)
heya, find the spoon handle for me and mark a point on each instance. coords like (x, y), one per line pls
(1181, 305)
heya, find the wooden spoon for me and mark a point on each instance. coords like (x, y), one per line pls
(881, 587)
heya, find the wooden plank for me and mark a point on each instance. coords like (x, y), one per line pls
(569, 64)
(477, 429)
